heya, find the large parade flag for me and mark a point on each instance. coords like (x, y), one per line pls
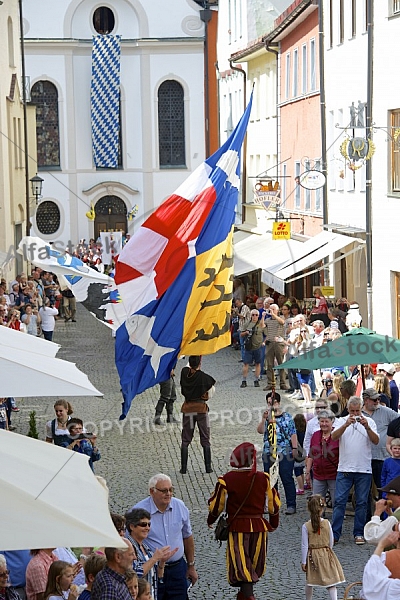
(175, 274)
(96, 291)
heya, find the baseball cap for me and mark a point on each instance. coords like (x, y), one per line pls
(388, 368)
(393, 487)
(370, 393)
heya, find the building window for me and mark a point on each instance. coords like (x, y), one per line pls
(353, 18)
(330, 23)
(307, 202)
(304, 70)
(171, 124)
(17, 142)
(48, 217)
(10, 31)
(283, 186)
(103, 20)
(234, 20)
(45, 96)
(395, 7)
(230, 21)
(287, 79)
(318, 191)
(240, 19)
(395, 152)
(297, 192)
(341, 22)
(313, 64)
(295, 73)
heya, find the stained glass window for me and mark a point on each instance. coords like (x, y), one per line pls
(171, 124)
(45, 96)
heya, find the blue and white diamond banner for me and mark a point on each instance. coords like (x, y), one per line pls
(104, 99)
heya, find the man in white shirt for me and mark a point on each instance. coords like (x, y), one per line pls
(319, 328)
(356, 434)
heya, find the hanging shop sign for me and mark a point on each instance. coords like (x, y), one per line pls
(327, 290)
(312, 180)
(281, 230)
(357, 150)
(267, 194)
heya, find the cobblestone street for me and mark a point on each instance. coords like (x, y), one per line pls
(133, 450)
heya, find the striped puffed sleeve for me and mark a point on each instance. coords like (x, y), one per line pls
(273, 502)
(216, 503)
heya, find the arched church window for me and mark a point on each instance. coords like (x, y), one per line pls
(103, 20)
(45, 96)
(171, 125)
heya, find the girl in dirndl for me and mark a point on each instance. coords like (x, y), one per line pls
(318, 560)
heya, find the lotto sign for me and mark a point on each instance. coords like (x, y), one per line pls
(328, 290)
(281, 230)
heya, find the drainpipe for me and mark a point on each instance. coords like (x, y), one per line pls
(322, 103)
(205, 16)
(244, 176)
(26, 153)
(275, 49)
(368, 187)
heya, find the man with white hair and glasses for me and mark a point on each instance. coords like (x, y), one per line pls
(170, 526)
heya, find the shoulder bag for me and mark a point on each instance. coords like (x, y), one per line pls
(222, 527)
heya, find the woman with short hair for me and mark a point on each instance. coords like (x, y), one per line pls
(149, 563)
(7, 592)
(323, 457)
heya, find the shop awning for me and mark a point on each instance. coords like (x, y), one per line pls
(314, 251)
(254, 252)
(281, 261)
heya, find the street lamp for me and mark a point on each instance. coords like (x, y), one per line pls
(36, 187)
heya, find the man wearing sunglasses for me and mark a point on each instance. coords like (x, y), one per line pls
(170, 526)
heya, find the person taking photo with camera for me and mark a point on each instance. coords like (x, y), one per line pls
(356, 434)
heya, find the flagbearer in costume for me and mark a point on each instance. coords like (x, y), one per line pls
(197, 388)
(248, 529)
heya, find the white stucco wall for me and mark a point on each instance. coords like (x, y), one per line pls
(386, 206)
(345, 82)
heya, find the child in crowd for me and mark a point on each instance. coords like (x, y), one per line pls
(300, 424)
(132, 582)
(59, 582)
(391, 465)
(93, 565)
(78, 443)
(3, 413)
(144, 592)
(318, 560)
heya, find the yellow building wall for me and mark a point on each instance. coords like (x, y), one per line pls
(12, 146)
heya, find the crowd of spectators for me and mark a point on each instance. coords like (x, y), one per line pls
(351, 445)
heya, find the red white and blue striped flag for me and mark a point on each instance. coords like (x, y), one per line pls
(175, 274)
